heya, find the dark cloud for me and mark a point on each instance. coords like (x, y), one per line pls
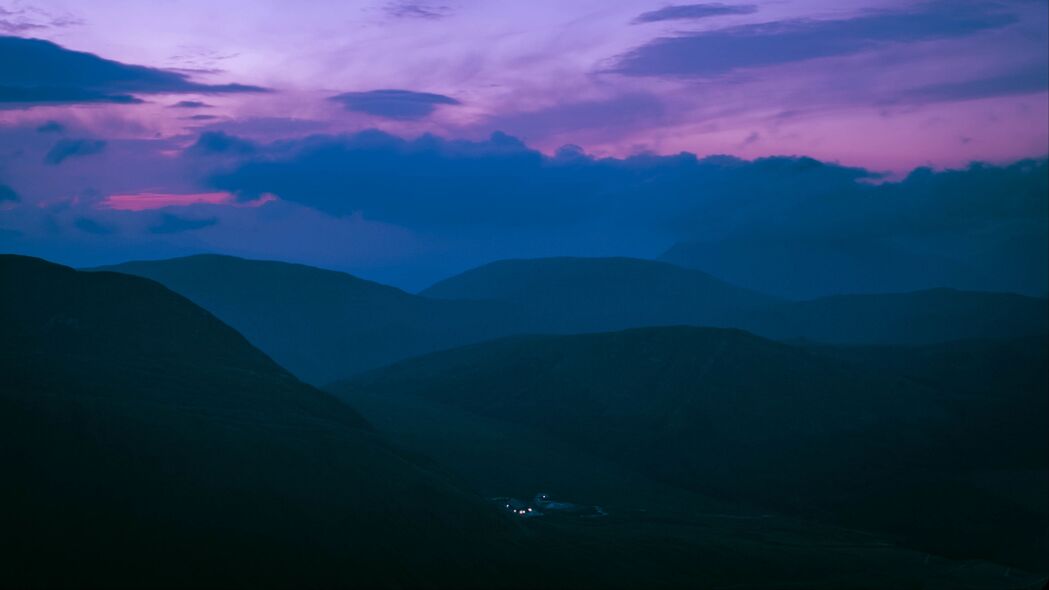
(19, 97)
(394, 104)
(694, 11)
(432, 181)
(720, 51)
(64, 149)
(8, 194)
(427, 180)
(1024, 81)
(51, 127)
(90, 226)
(68, 148)
(190, 104)
(268, 127)
(41, 72)
(416, 9)
(202, 117)
(173, 224)
(219, 142)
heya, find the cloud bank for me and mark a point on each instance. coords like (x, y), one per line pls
(721, 51)
(41, 72)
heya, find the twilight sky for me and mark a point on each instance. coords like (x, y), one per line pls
(406, 139)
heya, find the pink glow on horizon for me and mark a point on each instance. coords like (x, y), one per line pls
(148, 201)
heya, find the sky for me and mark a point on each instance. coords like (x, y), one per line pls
(404, 140)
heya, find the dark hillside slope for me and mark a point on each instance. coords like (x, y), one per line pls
(599, 294)
(320, 324)
(147, 444)
(920, 317)
(728, 414)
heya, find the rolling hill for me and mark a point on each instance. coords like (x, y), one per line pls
(573, 295)
(863, 439)
(599, 294)
(147, 444)
(799, 268)
(324, 325)
(320, 324)
(916, 318)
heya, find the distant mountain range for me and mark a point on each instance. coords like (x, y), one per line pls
(912, 443)
(805, 269)
(324, 325)
(596, 294)
(920, 317)
(146, 443)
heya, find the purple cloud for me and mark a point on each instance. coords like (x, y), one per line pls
(613, 115)
(394, 104)
(51, 127)
(720, 51)
(416, 9)
(8, 194)
(40, 72)
(694, 11)
(173, 224)
(1024, 81)
(90, 226)
(68, 148)
(190, 104)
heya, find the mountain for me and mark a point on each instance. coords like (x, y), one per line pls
(324, 325)
(805, 269)
(922, 317)
(320, 324)
(145, 443)
(883, 442)
(572, 295)
(600, 294)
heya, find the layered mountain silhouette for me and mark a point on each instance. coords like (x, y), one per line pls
(325, 325)
(320, 324)
(596, 294)
(147, 444)
(916, 318)
(803, 269)
(599, 294)
(899, 441)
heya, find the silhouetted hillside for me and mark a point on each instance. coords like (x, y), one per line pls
(324, 325)
(922, 317)
(320, 324)
(146, 444)
(597, 294)
(872, 443)
(809, 266)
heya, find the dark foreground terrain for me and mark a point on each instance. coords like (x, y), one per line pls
(145, 443)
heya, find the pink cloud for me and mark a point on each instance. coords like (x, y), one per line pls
(146, 201)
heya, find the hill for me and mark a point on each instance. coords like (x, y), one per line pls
(875, 442)
(324, 325)
(921, 317)
(600, 294)
(804, 269)
(320, 324)
(147, 444)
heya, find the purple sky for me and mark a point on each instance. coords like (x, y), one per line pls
(589, 72)
(887, 86)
